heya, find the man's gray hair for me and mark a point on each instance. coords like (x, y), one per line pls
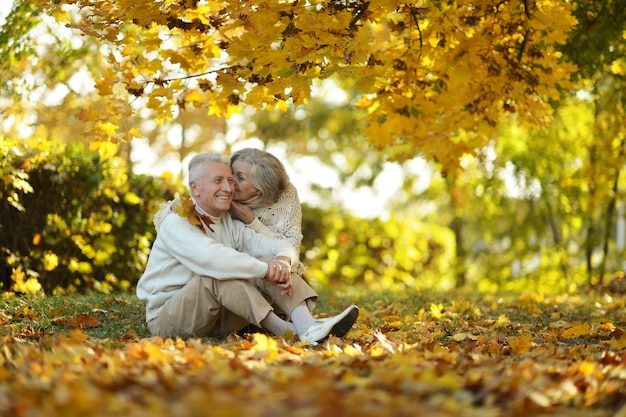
(196, 164)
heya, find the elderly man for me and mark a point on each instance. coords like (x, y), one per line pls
(205, 276)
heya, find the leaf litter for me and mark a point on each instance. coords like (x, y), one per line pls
(499, 356)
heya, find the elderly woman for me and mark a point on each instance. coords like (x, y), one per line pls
(265, 200)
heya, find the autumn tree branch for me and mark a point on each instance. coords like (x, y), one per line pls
(419, 30)
(190, 76)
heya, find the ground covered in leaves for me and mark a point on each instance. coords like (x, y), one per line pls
(411, 353)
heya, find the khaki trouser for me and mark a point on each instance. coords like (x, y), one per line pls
(213, 307)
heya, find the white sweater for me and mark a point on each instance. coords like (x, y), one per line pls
(280, 220)
(181, 251)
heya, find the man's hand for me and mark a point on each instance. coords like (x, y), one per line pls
(241, 212)
(279, 273)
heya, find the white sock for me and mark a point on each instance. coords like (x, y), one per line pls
(276, 325)
(302, 318)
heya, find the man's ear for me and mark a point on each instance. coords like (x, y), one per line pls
(193, 188)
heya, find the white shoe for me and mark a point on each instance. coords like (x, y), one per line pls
(338, 326)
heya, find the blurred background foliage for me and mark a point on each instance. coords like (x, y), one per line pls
(539, 209)
(72, 219)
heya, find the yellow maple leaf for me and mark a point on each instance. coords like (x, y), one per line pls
(257, 96)
(282, 106)
(105, 149)
(502, 321)
(520, 345)
(77, 336)
(619, 344)
(587, 367)
(147, 351)
(436, 310)
(264, 347)
(62, 16)
(459, 337)
(108, 128)
(577, 330)
(447, 380)
(195, 97)
(187, 209)
(105, 86)
(134, 132)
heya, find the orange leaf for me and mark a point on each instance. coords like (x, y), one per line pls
(77, 336)
(84, 321)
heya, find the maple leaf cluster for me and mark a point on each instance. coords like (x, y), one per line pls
(187, 209)
(425, 69)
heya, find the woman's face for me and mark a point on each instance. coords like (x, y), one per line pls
(244, 189)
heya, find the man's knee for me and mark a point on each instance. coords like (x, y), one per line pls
(221, 285)
(235, 290)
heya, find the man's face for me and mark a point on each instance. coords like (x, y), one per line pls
(214, 191)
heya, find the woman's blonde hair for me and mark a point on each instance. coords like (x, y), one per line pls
(267, 174)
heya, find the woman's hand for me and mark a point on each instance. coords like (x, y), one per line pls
(279, 274)
(241, 212)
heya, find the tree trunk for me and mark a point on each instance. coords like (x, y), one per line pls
(610, 212)
(461, 273)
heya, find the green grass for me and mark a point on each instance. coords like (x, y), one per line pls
(121, 317)
(101, 316)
